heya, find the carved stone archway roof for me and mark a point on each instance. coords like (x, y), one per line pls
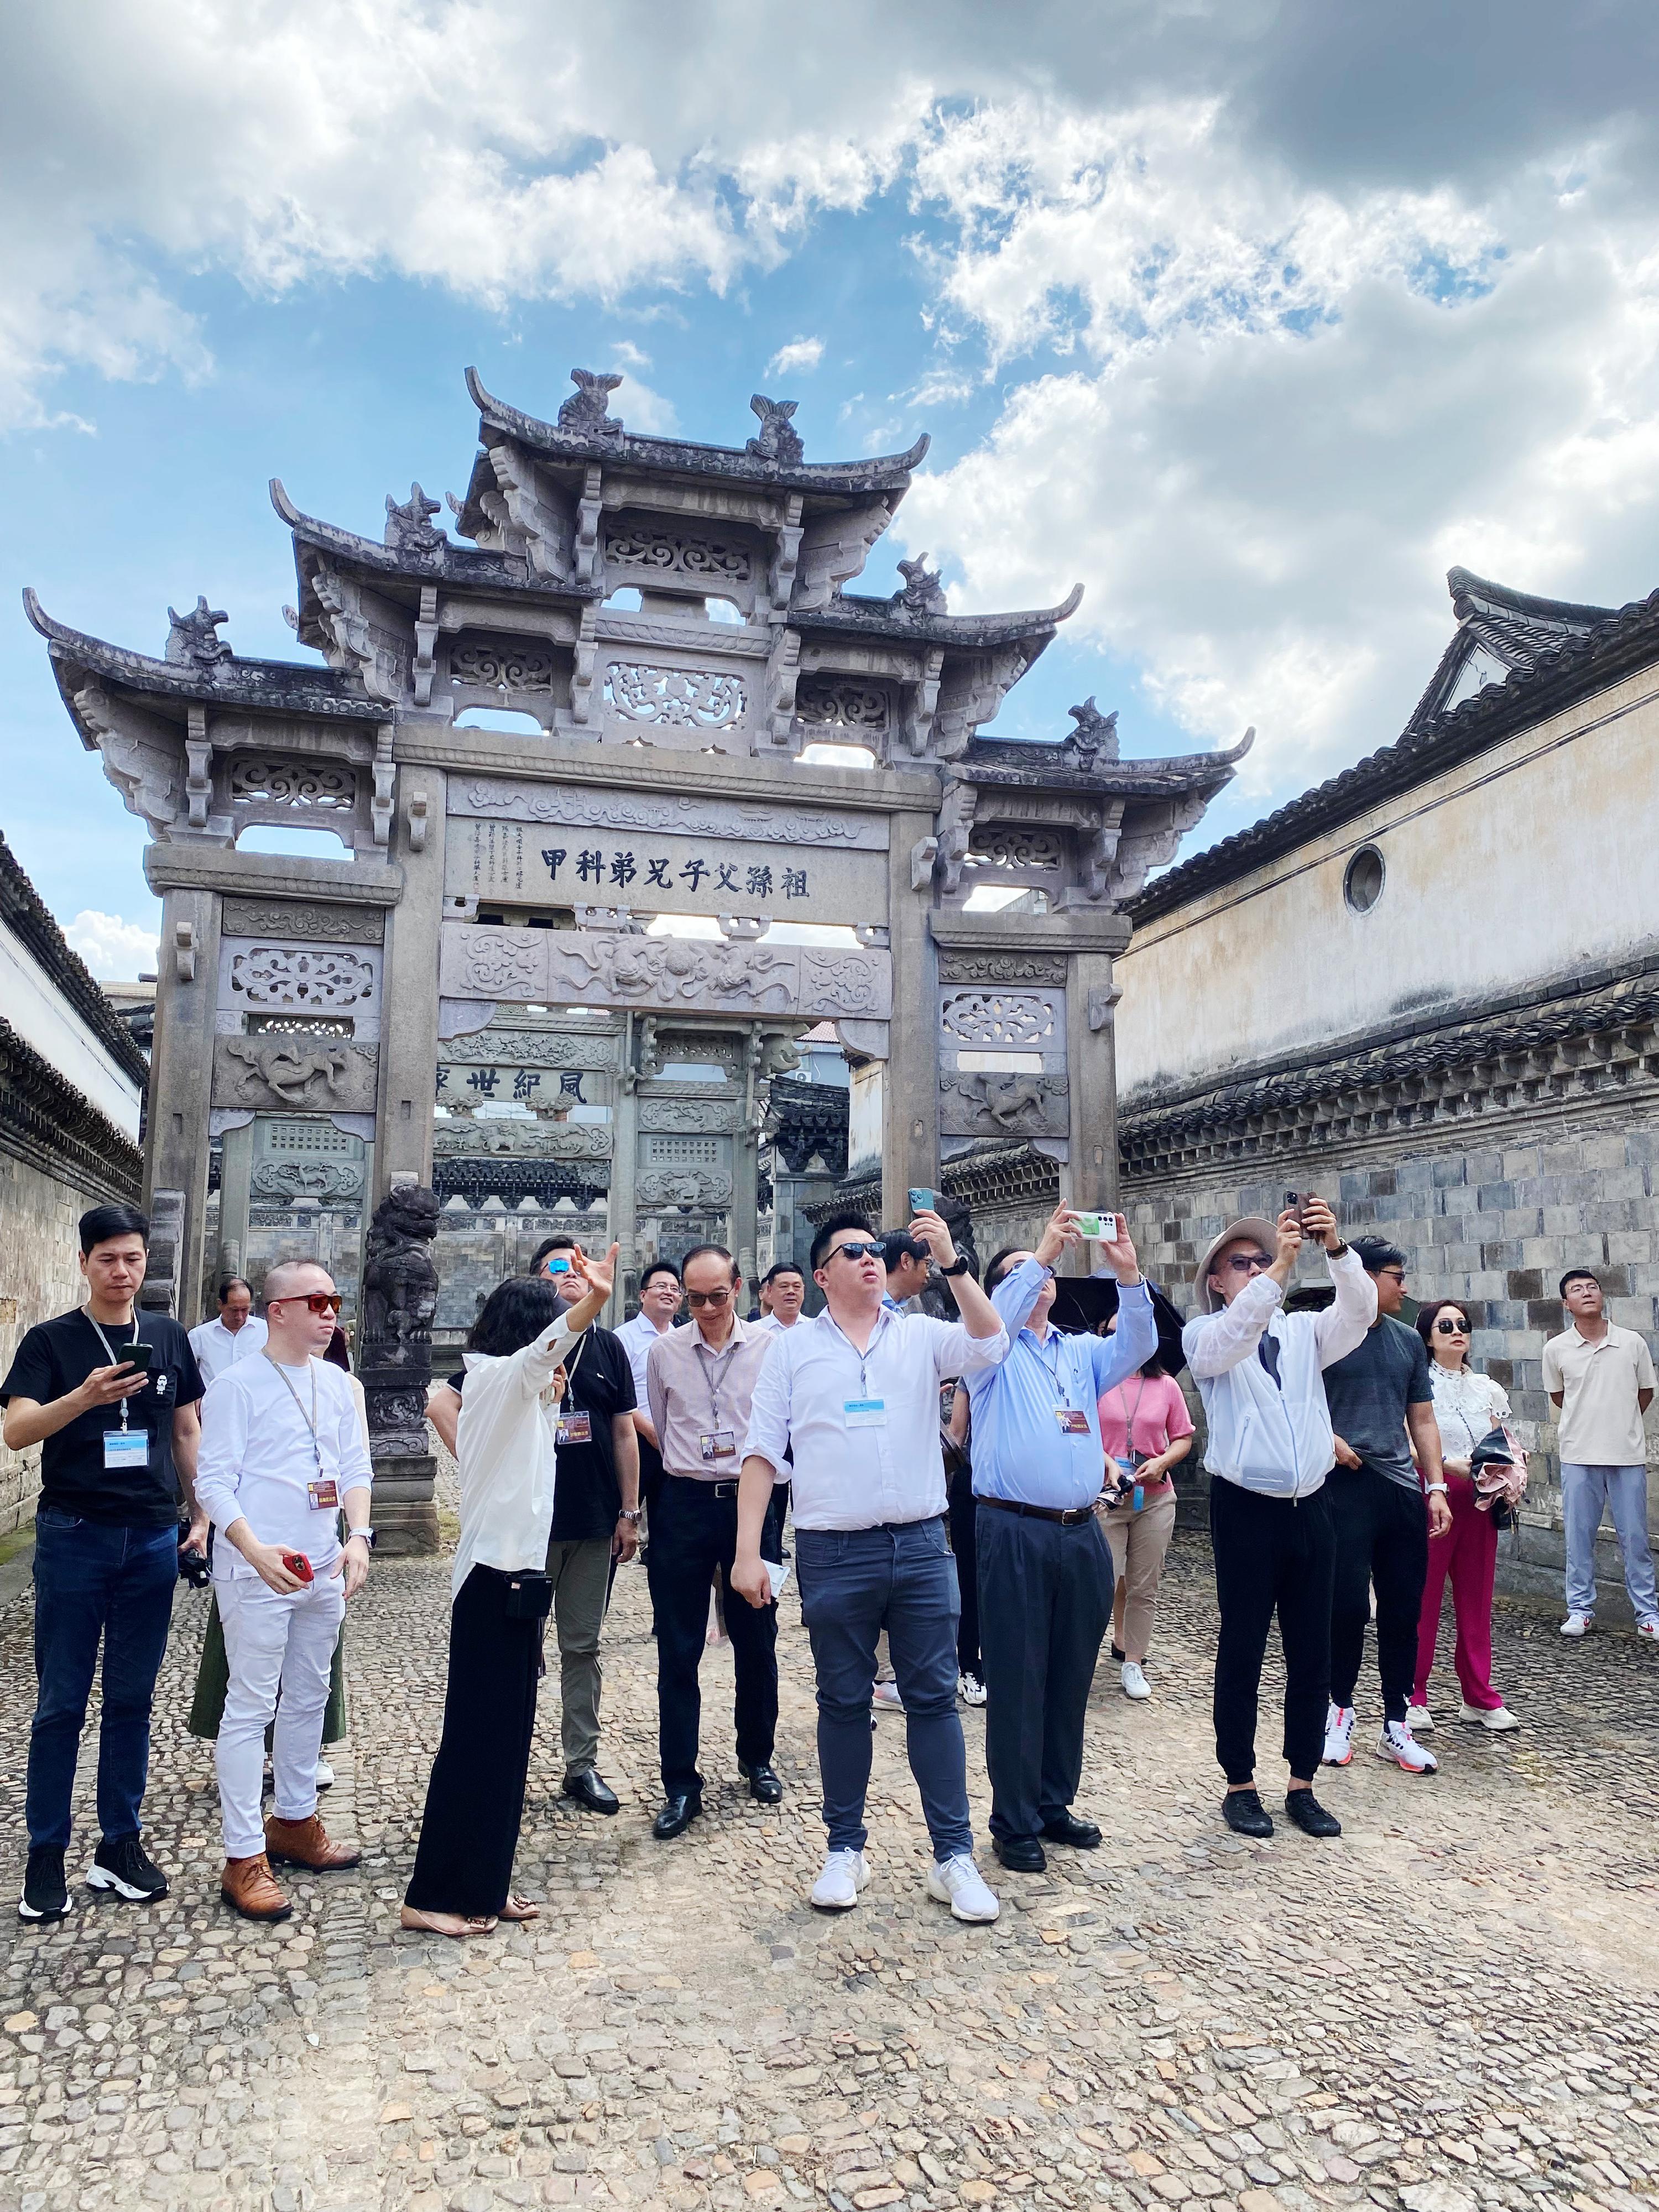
(892, 618)
(447, 562)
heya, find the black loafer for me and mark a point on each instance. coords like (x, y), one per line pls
(1020, 1854)
(1066, 1828)
(1305, 1812)
(1119, 1654)
(764, 1787)
(1245, 1813)
(587, 1789)
(676, 1817)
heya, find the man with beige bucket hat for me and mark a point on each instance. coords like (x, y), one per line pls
(1268, 1449)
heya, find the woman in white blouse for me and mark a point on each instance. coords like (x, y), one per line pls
(505, 1450)
(1468, 1408)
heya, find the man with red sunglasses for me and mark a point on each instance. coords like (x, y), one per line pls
(282, 1455)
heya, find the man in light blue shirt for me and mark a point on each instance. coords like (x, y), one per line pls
(1045, 1570)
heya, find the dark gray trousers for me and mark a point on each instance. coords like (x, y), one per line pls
(1045, 1603)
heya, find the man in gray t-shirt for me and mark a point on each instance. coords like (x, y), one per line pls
(1382, 1410)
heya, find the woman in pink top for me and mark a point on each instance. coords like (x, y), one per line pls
(1146, 1429)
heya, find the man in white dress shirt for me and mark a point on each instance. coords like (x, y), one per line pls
(659, 1301)
(283, 1455)
(783, 1292)
(237, 1331)
(855, 1393)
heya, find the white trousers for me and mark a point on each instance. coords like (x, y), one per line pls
(273, 1642)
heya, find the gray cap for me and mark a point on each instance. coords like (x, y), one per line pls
(1256, 1227)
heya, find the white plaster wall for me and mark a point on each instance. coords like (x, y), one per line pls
(43, 1018)
(1529, 861)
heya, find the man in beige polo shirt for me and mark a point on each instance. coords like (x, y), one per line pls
(1601, 1379)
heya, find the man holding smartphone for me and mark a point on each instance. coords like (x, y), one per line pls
(111, 1397)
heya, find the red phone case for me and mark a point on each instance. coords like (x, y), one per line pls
(297, 1564)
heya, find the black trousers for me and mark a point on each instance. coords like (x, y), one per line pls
(475, 1799)
(1045, 1602)
(1271, 1554)
(1382, 1539)
(962, 1511)
(696, 1538)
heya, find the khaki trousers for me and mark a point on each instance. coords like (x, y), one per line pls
(1139, 1542)
(581, 1573)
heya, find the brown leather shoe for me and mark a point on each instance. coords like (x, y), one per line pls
(304, 1843)
(249, 1887)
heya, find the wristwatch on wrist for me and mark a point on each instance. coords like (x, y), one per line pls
(960, 1268)
(368, 1535)
(1428, 1489)
(635, 1517)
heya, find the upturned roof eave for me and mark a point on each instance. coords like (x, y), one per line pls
(455, 566)
(858, 617)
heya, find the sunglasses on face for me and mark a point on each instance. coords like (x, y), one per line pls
(1242, 1263)
(860, 1252)
(1451, 1328)
(715, 1299)
(319, 1302)
(1398, 1273)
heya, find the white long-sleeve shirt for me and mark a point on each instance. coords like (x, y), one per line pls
(218, 1348)
(258, 1461)
(504, 1449)
(856, 1469)
(1275, 1437)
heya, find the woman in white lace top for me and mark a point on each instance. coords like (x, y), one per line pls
(1468, 1408)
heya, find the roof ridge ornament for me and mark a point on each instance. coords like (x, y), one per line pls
(922, 592)
(778, 440)
(1096, 733)
(195, 636)
(586, 413)
(408, 525)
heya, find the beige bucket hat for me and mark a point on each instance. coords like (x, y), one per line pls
(1255, 1226)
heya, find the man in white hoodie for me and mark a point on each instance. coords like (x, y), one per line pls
(1268, 1449)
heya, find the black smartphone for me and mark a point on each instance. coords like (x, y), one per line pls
(138, 1356)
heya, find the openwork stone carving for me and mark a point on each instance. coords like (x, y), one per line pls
(588, 411)
(501, 665)
(194, 638)
(292, 783)
(1011, 1018)
(675, 698)
(409, 527)
(316, 1076)
(1004, 1105)
(337, 925)
(826, 702)
(685, 1188)
(280, 1182)
(669, 554)
(1019, 848)
(1002, 968)
(778, 440)
(279, 975)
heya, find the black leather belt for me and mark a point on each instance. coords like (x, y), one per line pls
(701, 1482)
(1068, 1516)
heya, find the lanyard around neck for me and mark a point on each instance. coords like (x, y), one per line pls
(110, 1352)
(310, 1419)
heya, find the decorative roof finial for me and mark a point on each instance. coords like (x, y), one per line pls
(1096, 733)
(922, 593)
(778, 440)
(586, 413)
(409, 526)
(195, 637)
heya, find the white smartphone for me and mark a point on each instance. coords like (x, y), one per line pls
(1099, 1228)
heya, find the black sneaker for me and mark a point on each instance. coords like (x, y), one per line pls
(45, 1895)
(127, 1869)
(1245, 1813)
(1305, 1812)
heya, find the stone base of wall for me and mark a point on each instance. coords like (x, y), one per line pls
(38, 1277)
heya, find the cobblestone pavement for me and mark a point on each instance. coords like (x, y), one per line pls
(1452, 2007)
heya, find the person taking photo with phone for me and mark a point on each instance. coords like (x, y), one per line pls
(111, 1395)
(282, 1455)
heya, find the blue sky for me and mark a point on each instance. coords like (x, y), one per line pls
(1200, 308)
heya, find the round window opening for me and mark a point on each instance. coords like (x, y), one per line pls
(1362, 884)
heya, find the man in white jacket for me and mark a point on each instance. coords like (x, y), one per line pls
(1268, 1449)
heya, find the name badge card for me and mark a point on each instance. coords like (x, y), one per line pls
(865, 1413)
(718, 1443)
(573, 1429)
(1073, 1422)
(126, 1449)
(325, 1493)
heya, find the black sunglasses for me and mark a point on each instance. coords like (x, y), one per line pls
(860, 1252)
(1451, 1328)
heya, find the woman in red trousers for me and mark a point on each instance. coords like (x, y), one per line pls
(1468, 1407)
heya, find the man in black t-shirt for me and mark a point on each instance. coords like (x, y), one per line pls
(113, 1430)
(596, 1520)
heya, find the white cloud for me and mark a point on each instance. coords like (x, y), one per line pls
(800, 356)
(116, 951)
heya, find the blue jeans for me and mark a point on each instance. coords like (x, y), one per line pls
(853, 1583)
(93, 1581)
(1623, 1491)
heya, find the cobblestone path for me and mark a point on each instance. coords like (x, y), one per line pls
(1452, 2007)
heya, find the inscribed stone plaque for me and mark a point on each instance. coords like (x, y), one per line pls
(585, 864)
(543, 1089)
(316, 1075)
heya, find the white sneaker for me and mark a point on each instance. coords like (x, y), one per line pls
(970, 1689)
(324, 1775)
(1339, 1736)
(959, 1884)
(844, 1875)
(1579, 1624)
(1135, 1684)
(1397, 1743)
(1648, 1631)
(1419, 1720)
(885, 1699)
(1498, 1718)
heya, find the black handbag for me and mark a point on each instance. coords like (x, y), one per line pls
(529, 1596)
